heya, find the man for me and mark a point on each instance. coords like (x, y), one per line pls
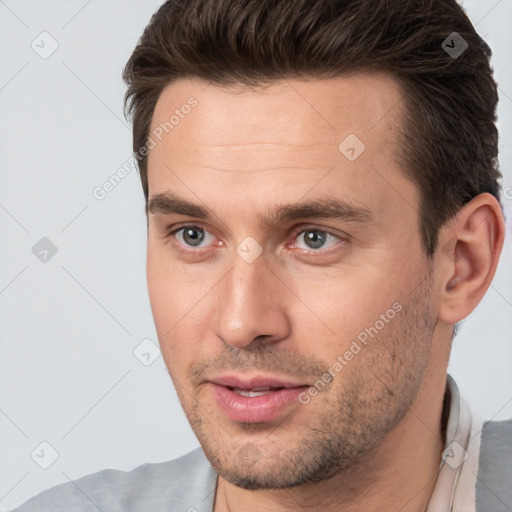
(323, 209)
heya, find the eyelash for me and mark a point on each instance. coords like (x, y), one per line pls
(294, 234)
(318, 252)
(178, 247)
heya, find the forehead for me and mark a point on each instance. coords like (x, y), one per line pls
(295, 112)
(288, 136)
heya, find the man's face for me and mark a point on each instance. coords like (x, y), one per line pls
(292, 303)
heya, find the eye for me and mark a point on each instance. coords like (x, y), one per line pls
(192, 236)
(314, 239)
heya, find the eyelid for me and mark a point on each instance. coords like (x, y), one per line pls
(341, 237)
(300, 229)
(171, 231)
(175, 228)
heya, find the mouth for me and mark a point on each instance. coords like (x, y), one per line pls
(257, 399)
(253, 392)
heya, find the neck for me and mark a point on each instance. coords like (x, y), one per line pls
(399, 474)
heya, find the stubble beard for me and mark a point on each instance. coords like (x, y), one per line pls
(377, 389)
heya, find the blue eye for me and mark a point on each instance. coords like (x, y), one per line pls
(316, 239)
(192, 236)
(195, 240)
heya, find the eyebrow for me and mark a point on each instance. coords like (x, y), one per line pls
(327, 207)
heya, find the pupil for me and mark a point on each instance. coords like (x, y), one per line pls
(314, 239)
(193, 236)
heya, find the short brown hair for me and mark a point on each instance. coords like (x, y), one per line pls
(450, 136)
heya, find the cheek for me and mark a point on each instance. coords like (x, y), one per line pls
(346, 303)
(165, 296)
(181, 310)
(170, 288)
(162, 295)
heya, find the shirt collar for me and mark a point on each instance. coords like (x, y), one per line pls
(457, 436)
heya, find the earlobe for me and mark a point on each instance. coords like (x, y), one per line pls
(470, 246)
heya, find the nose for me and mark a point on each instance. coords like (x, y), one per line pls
(250, 306)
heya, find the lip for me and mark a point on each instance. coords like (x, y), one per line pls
(255, 381)
(257, 409)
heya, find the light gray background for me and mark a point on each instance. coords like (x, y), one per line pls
(68, 375)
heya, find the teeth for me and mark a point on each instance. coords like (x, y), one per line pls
(252, 392)
(244, 392)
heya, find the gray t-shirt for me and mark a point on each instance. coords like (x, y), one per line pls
(475, 475)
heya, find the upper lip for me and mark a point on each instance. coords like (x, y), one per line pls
(254, 382)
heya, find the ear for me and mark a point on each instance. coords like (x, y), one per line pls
(469, 249)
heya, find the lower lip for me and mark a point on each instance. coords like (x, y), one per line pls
(256, 409)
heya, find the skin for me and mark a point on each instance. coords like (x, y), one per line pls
(372, 439)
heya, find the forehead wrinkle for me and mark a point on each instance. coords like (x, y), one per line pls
(265, 169)
(266, 143)
(271, 156)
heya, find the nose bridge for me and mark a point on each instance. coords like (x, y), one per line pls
(246, 283)
(248, 305)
